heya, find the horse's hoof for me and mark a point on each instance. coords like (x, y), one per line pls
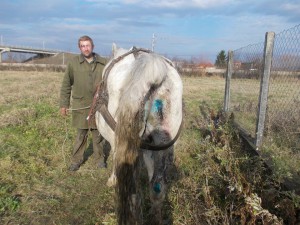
(111, 182)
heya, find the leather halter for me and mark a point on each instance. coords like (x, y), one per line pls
(100, 102)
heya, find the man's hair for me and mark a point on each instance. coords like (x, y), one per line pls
(85, 38)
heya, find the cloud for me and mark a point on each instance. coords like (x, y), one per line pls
(178, 3)
(181, 27)
(201, 4)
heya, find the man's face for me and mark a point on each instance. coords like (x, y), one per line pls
(86, 48)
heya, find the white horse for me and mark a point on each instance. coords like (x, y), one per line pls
(140, 114)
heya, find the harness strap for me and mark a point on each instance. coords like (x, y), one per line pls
(100, 102)
(148, 146)
(108, 117)
(91, 115)
(134, 50)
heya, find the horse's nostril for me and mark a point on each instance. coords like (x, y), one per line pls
(157, 187)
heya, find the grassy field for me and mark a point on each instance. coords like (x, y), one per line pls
(214, 180)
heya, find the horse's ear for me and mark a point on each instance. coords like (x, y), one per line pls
(114, 49)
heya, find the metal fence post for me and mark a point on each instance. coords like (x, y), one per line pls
(264, 86)
(228, 79)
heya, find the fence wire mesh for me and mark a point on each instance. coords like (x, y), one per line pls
(283, 109)
(283, 114)
(245, 85)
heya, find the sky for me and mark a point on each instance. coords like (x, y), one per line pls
(174, 28)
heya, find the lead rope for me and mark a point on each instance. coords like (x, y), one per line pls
(67, 132)
(87, 107)
(63, 145)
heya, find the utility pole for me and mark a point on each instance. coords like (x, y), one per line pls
(153, 42)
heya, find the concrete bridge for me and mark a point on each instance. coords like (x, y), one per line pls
(42, 52)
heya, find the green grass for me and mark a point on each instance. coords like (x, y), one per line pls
(211, 179)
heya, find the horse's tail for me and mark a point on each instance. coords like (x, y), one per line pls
(146, 74)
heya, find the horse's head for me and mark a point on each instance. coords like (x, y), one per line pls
(117, 51)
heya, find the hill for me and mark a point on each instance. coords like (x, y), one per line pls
(58, 59)
(56, 63)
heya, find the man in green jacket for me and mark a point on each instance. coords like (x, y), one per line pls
(83, 74)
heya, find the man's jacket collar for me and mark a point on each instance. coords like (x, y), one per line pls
(97, 58)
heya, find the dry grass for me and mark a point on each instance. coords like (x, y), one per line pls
(213, 181)
(281, 141)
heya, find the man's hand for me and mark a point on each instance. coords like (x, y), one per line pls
(63, 111)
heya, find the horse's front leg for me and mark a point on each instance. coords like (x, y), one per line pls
(112, 180)
(109, 135)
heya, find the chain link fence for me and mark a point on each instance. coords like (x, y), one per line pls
(283, 114)
(252, 86)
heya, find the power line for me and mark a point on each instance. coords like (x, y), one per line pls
(153, 42)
